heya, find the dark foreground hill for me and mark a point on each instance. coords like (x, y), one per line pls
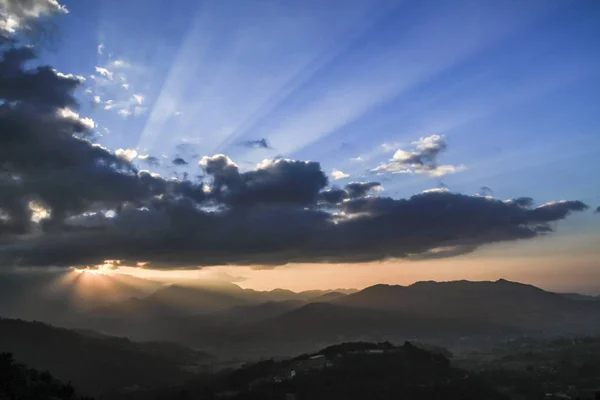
(18, 382)
(95, 364)
(347, 371)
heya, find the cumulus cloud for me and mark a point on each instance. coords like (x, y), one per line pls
(126, 154)
(65, 201)
(21, 15)
(423, 160)
(67, 113)
(336, 174)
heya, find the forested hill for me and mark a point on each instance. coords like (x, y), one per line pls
(18, 382)
(97, 364)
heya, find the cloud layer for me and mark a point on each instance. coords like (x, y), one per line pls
(65, 201)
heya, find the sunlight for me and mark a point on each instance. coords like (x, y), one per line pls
(93, 271)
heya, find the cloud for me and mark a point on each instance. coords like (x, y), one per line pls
(274, 181)
(116, 64)
(126, 154)
(100, 49)
(179, 161)
(422, 161)
(336, 174)
(19, 15)
(353, 190)
(105, 73)
(435, 224)
(255, 144)
(150, 160)
(128, 107)
(598, 209)
(67, 113)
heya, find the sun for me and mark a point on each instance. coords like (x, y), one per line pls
(96, 270)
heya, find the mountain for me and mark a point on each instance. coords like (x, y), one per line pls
(322, 324)
(247, 314)
(97, 365)
(580, 297)
(501, 302)
(327, 297)
(458, 313)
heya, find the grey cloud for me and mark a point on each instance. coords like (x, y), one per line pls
(352, 190)
(179, 161)
(277, 181)
(435, 224)
(150, 160)
(486, 191)
(257, 144)
(598, 209)
(39, 87)
(360, 189)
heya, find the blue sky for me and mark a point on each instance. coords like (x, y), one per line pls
(512, 88)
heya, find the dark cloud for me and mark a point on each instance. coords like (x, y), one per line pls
(360, 189)
(598, 209)
(486, 191)
(257, 144)
(434, 224)
(150, 160)
(179, 161)
(352, 190)
(276, 181)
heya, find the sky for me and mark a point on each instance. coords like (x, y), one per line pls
(306, 144)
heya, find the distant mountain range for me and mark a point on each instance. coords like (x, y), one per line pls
(250, 324)
(233, 322)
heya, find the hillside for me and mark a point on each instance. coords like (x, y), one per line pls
(94, 364)
(20, 382)
(346, 371)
